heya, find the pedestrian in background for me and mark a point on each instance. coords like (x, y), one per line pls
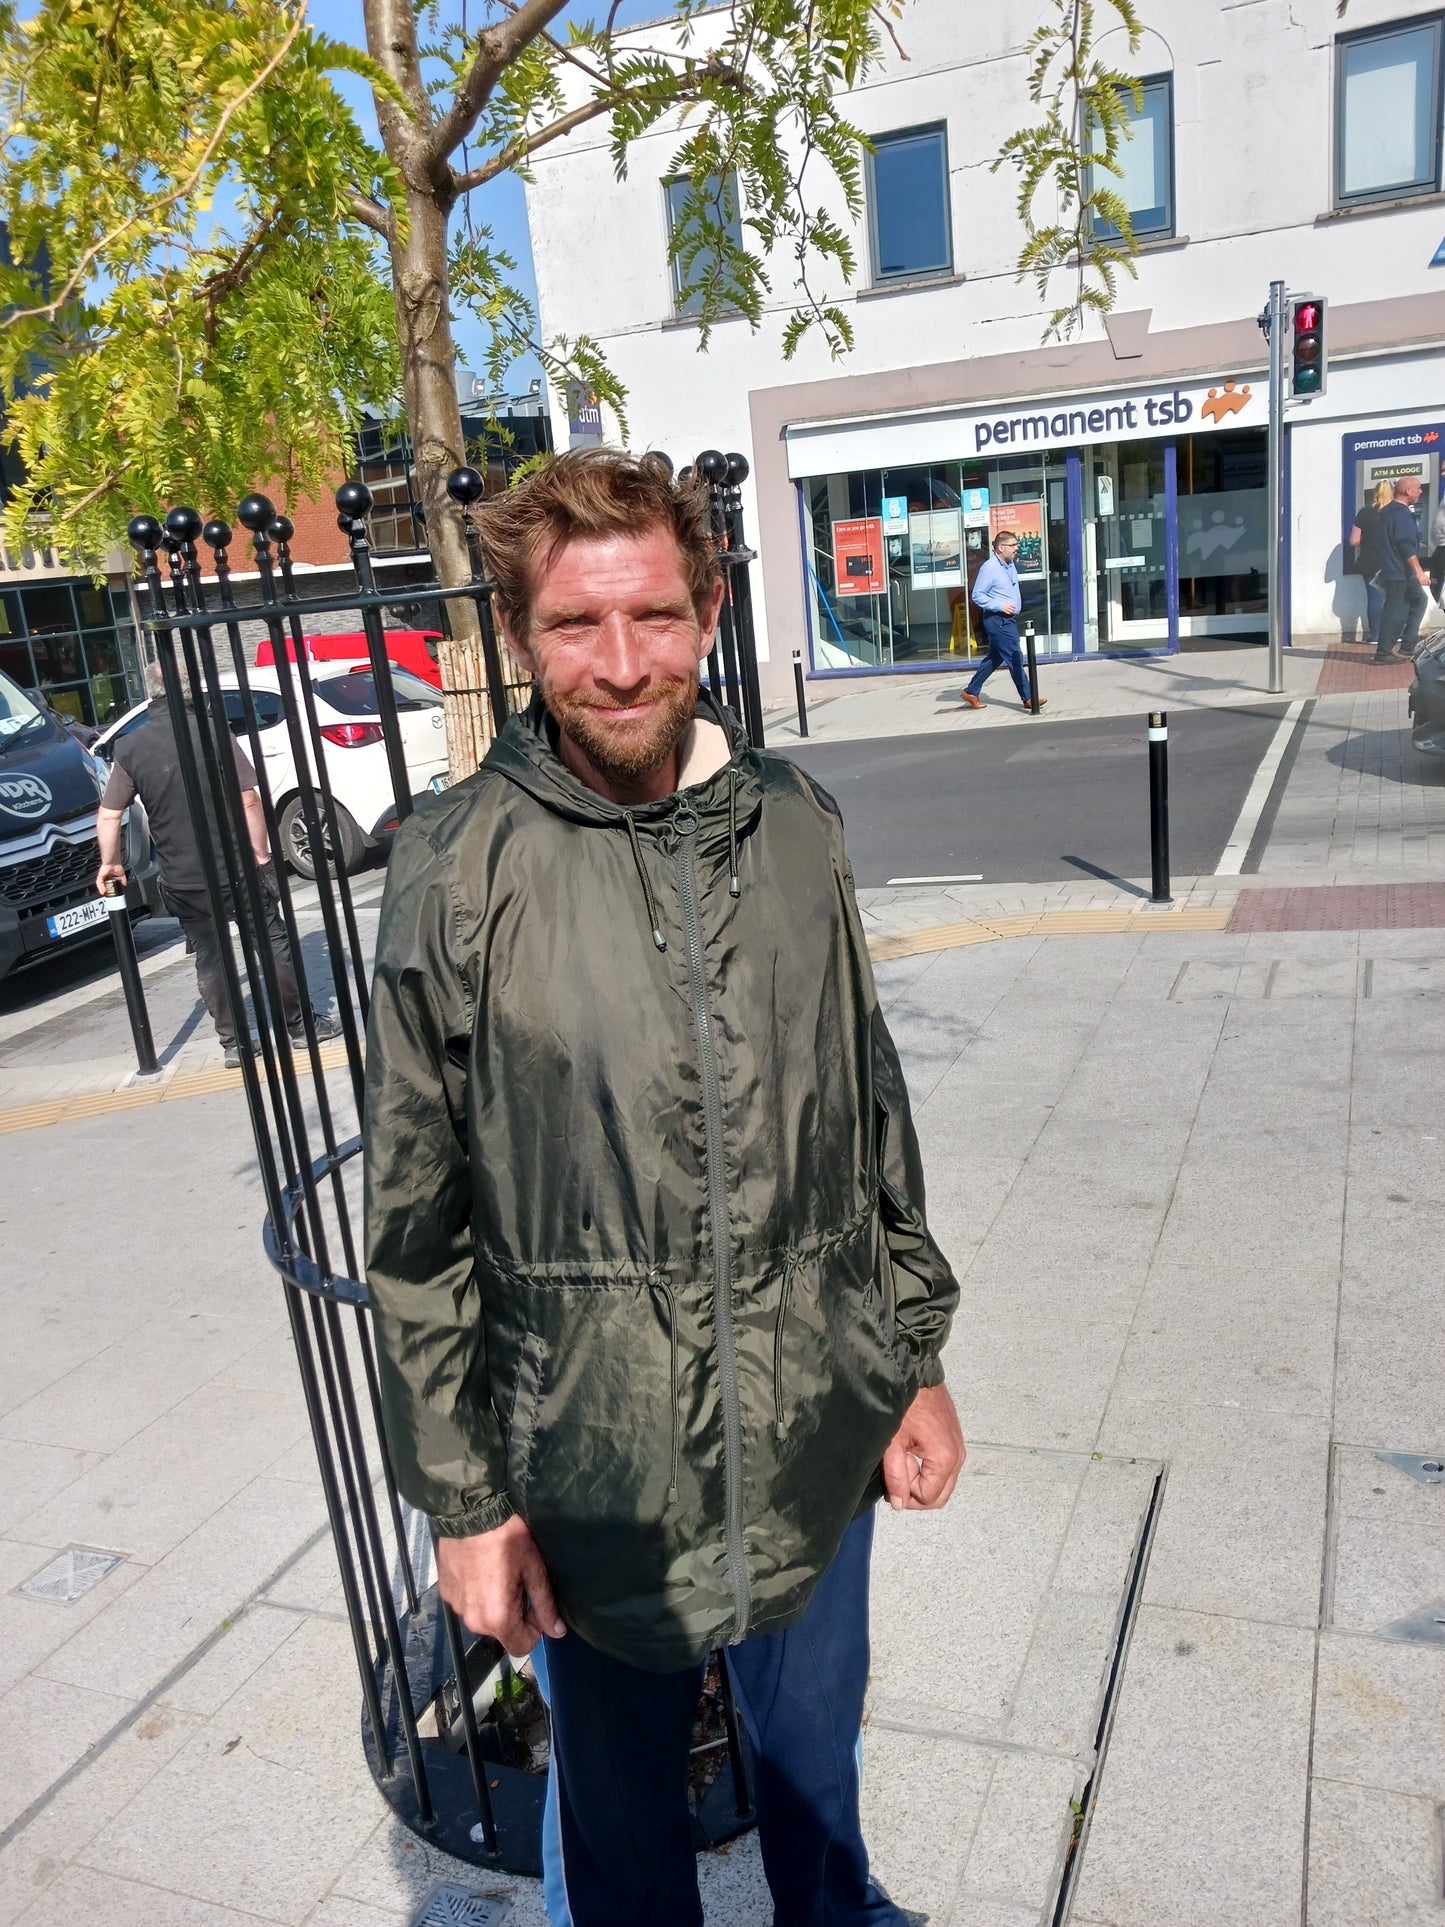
(147, 765)
(996, 594)
(1437, 552)
(1365, 541)
(1405, 581)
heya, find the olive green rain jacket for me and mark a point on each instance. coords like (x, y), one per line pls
(644, 1213)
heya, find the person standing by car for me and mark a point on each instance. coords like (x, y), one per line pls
(1365, 541)
(657, 1308)
(147, 765)
(1405, 582)
(996, 593)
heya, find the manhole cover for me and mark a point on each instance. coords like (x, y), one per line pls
(448, 1906)
(71, 1574)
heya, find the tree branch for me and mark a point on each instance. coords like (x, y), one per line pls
(497, 48)
(372, 214)
(517, 150)
(82, 267)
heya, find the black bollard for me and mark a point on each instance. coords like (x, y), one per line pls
(1033, 662)
(135, 997)
(1159, 804)
(798, 686)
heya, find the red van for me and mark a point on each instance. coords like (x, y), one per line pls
(413, 649)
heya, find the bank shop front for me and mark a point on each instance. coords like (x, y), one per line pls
(1140, 515)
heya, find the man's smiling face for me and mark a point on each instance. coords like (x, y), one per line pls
(615, 641)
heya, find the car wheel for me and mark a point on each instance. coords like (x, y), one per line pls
(296, 838)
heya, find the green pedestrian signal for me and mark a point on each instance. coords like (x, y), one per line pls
(1305, 347)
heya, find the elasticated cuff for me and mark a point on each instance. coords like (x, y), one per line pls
(930, 1371)
(485, 1515)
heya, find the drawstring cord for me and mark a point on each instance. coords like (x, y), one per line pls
(657, 936)
(780, 1423)
(660, 1283)
(734, 887)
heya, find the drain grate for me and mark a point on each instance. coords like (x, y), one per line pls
(1426, 1627)
(70, 1575)
(448, 1906)
(1428, 1471)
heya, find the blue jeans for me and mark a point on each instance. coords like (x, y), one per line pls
(1405, 604)
(616, 1834)
(1001, 633)
(1374, 608)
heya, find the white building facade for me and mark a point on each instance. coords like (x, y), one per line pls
(1274, 141)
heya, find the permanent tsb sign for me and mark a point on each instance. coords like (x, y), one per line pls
(1194, 408)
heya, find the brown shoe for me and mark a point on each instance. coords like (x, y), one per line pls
(1029, 708)
(974, 702)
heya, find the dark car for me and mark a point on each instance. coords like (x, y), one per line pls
(49, 790)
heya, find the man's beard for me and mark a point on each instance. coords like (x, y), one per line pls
(627, 752)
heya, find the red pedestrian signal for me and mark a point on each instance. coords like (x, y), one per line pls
(1305, 347)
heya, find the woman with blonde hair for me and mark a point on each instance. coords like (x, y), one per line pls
(1365, 541)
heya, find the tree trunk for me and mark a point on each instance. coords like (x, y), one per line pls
(428, 358)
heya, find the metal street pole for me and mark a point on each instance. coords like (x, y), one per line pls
(1275, 312)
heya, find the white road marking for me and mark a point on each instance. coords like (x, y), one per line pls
(1242, 835)
(894, 881)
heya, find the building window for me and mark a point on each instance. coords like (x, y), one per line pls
(1387, 113)
(911, 230)
(1146, 158)
(694, 258)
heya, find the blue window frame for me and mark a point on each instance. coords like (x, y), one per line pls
(911, 231)
(1146, 156)
(688, 275)
(1387, 112)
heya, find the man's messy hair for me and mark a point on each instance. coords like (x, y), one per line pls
(593, 492)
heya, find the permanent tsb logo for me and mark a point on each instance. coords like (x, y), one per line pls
(1199, 409)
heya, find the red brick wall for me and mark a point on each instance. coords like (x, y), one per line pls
(317, 538)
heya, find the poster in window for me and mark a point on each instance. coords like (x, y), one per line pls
(1026, 521)
(936, 542)
(858, 556)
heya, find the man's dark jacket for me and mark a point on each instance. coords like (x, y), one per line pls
(644, 1214)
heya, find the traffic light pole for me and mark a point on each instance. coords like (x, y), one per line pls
(1276, 313)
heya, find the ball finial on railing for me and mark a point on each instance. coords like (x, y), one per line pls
(217, 534)
(183, 525)
(144, 532)
(738, 469)
(712, 464)
(466, 486)
(255, 512)
(281, 528)
(353, 500)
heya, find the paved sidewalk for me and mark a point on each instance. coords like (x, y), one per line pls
(846, 709)
(1190, 1176)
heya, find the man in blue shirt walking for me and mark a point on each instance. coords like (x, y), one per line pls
(996, 593)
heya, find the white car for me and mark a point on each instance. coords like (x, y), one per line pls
(356, 765)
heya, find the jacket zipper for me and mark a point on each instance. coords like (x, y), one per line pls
(685, 825)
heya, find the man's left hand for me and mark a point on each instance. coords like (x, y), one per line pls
(921, 1466)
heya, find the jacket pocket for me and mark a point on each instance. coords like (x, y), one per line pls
(521, 1425)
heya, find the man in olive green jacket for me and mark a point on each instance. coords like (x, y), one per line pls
(658, 1312)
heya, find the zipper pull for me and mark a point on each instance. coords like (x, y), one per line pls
(684, 819)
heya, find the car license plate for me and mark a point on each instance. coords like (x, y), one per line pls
(65, 922)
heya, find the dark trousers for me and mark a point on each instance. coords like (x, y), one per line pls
(196, 920)
(1001, 633)
(1405, 604)
(620, 1741)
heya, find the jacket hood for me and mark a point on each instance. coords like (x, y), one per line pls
(526, 754)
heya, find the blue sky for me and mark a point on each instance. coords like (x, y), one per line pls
(501, 205)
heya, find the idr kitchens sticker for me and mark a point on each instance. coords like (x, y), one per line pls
(24, 795)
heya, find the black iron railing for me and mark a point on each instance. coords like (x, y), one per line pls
(435, 1744)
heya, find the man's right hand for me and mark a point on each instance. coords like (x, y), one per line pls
(104, 874)
(496, 1582)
